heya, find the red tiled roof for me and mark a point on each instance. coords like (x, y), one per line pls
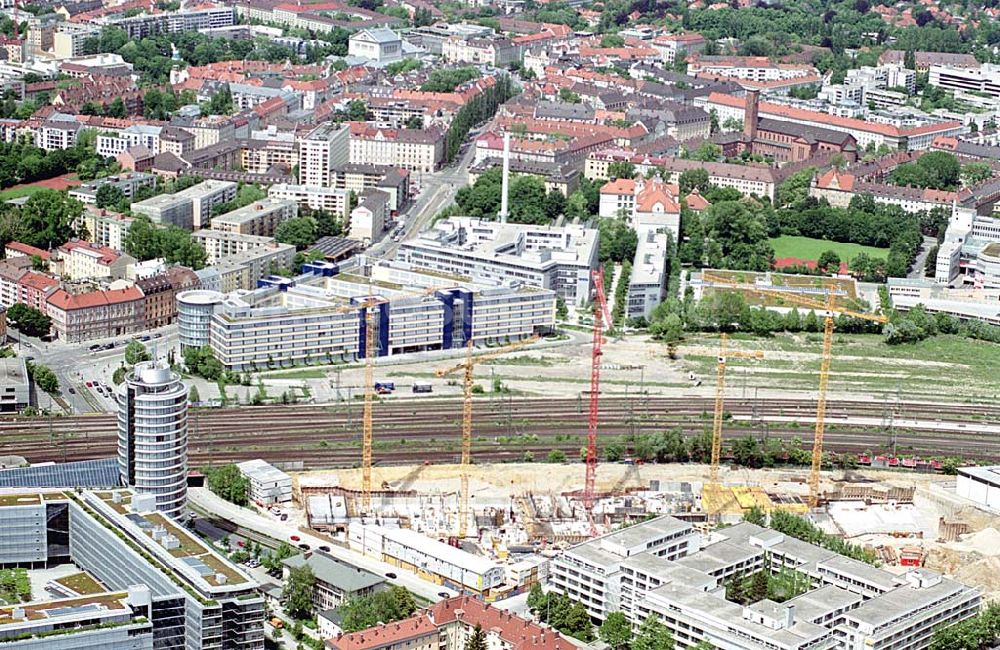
(383, 636)
(68, 302)
(697, 202)
(38, 281)
(25, 249)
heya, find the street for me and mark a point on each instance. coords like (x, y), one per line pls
(917, 270)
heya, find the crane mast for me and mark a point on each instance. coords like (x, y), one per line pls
(601, 317)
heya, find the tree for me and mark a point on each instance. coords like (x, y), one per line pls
(385, 606)
(577, 623)
(555, 205)
(415, 122)
(829, 261)
(568, 96)
(556, 456)
(693, 179)
(616, 631)
(299, 232)
(536, 597)
(202, 362)
(193, 395)
(145, 241)
(136, 352)
(617, 242)
(48, 218)
(476, 641)
(612, 40)
(653, 635)
(739, 238)
(297, 595)
(227, 482)
(707, 152)
(975, 173)
(44, 378)
(621, 169)
(755, 516)
(28, 320)
(109, 195)
(910, 60)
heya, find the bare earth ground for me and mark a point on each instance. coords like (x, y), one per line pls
(974, 560)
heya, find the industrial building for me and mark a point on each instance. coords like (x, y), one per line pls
(428, 558)
(558, 258)
(318, 317)
(152, 435)
(153, 583)
(268, 484)
(980, 484)
(681, 579)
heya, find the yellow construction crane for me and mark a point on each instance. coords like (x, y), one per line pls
(828, 308)
(467, 366)
(720, 389)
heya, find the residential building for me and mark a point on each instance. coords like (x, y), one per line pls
(35, 288)
(206, 195)
(127, 183)
(493, 51)
(160, 293)
(381, 45)
(418, 150)
(260, 218)
(267, 485)
(336, 581)
(15, 386)
(167, 210)
(644, 204)
(107, 229)
(171, 22)
(80, 260)
(559, 258)
(369, 219)
(153, 435)
(321, 151)
(329, 199)
(219, 244)
(157, 576)
(95, 314)
(448, 625)
(672, 46)
(244, 270)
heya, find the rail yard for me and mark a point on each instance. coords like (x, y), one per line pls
(407, 431)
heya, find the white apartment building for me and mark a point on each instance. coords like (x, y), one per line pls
(170, 22)
(550, 257)
(332, 200)
(369, 219)
(260, 218)
(323, 149)
(79, 260)
(492, 51)
(380, 44)
(111, 144)
(849, 605)
(206, 195)
(219, 244)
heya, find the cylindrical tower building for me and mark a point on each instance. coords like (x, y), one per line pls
(152, 435)
(195, 309)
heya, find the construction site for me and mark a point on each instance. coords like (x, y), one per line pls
(490, 529)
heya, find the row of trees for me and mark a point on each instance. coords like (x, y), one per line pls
(145, 241)
(476, 111)
(28, 320)
(802, 528)
(564, 614)
(976, 633)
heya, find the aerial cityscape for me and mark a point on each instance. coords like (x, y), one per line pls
(499, 325)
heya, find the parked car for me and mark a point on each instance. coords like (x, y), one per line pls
(390, 575)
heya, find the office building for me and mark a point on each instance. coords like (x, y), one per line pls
(268, 484)
(985, 79)
(152, 435)
(648, 283)
(316, 316)
(323, 149)
(195, 309)
(559, 258)
(260, 218)
(151, 583)
(662, 568)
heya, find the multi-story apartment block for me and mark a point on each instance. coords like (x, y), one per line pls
(160, 292)
(244, 270)
(559, 258)
(127, 183)
(157, 586)
(95, 314)
(419, 150)
(146, 135)
(681, 581)
(331, 200)
(206, 195)
(171, 22)
(108, 230)
(260, 218)
(68, 39)
(219, 244)
(321, 151)
(166, 210)
(495, 52)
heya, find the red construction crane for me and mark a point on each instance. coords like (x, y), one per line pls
(601, 318)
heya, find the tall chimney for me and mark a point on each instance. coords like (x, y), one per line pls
(750, 115)
(505, 183)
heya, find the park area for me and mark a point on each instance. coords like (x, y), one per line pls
(806, 248)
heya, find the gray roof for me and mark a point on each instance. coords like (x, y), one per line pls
(340, 575)
(380, 35)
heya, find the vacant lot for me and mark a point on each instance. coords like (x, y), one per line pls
(806, 248)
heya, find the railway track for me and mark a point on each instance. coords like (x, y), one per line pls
(414, 431)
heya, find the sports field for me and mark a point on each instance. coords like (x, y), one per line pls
(806, 248)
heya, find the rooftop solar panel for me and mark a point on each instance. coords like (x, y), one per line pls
(67, 611)
(99, 473)
(198, 565)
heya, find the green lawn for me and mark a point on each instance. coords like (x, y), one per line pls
(18, 192)
(806, 248)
